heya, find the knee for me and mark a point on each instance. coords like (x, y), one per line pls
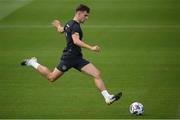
(97, 75)
(51, 78)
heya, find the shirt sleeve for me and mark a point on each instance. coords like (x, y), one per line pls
(75, 29)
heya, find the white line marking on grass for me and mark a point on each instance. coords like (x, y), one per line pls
(132, 26)
(99, 26)
(9, 6)
(25, 26)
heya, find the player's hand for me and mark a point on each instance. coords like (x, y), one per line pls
(56, 23)
(96, 48)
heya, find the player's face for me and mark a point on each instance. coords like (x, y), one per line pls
(83, 16)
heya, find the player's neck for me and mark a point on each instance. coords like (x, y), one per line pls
(76, 19)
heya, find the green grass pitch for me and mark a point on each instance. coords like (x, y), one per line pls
(140, 41)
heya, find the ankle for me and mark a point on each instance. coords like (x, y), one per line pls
(34, 64)
(105, 94)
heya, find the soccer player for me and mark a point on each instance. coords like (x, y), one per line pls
(72, 56)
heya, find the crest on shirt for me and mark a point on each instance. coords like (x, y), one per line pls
(64, 67)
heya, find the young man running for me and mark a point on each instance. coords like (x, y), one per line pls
(72, 56)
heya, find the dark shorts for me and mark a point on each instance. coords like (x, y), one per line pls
(77, 63)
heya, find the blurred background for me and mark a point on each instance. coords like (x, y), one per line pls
(140, 41)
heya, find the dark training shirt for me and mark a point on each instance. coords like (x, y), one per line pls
(72, 50)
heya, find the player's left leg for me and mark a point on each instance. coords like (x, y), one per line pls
(91, 70)
(43, 70)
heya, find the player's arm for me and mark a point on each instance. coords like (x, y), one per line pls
(58, 26)
(82, 44)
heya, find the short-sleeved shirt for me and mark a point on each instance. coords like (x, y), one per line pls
(71, 50)
(72, 55)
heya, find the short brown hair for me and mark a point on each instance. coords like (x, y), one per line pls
(82, 7)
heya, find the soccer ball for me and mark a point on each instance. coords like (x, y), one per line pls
(136, 108)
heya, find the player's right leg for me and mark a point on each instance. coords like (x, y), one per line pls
(43, 70)
(91, 70)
